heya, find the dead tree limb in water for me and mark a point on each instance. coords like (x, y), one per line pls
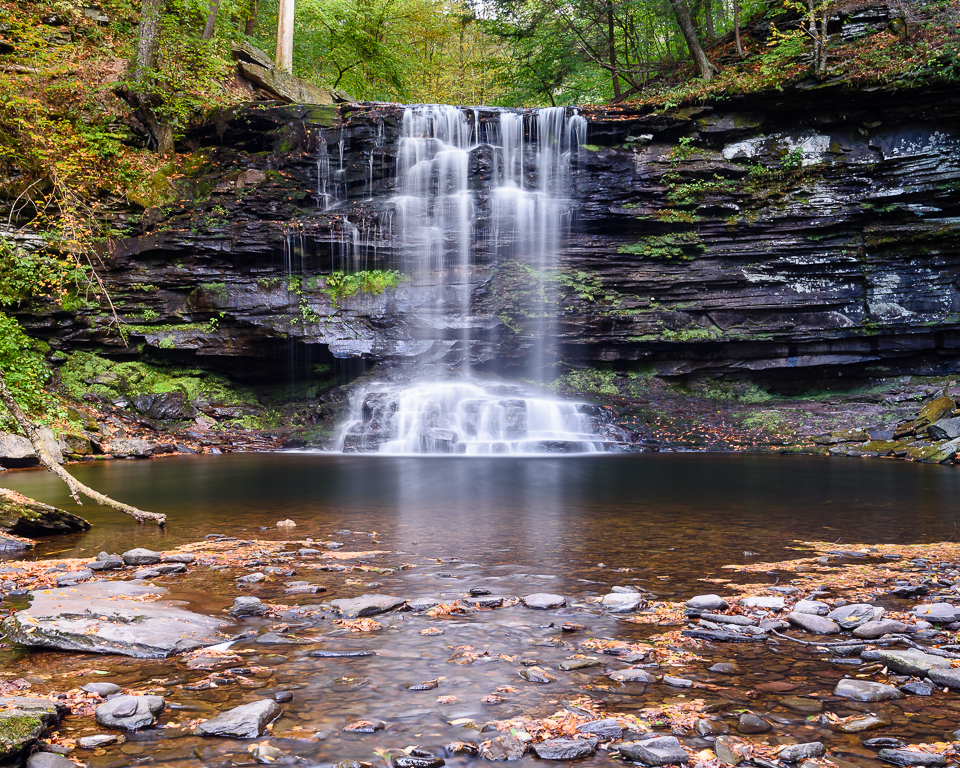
(76, 487)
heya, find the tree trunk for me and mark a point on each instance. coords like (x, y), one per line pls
(148, 40)
(818, 33)
(250, 27)
(612, 50)
(211, 24)
(284, 57)
(33, 434)
(736, 27)
(705, 67)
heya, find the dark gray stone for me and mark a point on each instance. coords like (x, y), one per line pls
(248, 606)
(365, 605)
(49, 760)
(875, 629)
(912, 662)
(794, 753)
(733, 618)
(750, 723)
(850, 616)
(504, 748)
(564, 749)
(811, 606)
(911, 757)
(811, 622)
(129, 713)
(179, 557)
(939, 613)
(948, 678)
(602, 729)
(141, 556)
(663, 750)
(71, 578)
(248, 721)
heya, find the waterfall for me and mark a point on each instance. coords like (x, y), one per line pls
(441, 220)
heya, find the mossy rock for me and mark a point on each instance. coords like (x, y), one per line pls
(25, 517)
(23, 719)
(936, 409)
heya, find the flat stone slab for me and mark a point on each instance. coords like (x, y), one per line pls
(767, 603)
(942, 613)
(912, 662)
(23, 719)
(564, 749)
(366, 605)
(244, 722)
(948, 678)
(544, 601)
(866, 690)
(108, 617)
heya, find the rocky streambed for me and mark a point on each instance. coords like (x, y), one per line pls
(335, 648)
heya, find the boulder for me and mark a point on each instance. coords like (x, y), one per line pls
(602, 729)
(16, 451)
(49, 760)
(255, 67)
(25, 517)
(912, 662)
(544, 601)
(866, 690)
(130, 713)
(131, 447)
(940, 613)
(851, 616)
(875, 629)
(811, 622)
(244, 722)
(365, 605)
(564, 749)
(811, 606)
(946, 677)
(141, 556)
(23, 719)
(663, 750)
(945, 429)
(111, 617)
(248, 606)
(707, 603)
(912, 757)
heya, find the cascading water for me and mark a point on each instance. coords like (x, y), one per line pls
(441, 226)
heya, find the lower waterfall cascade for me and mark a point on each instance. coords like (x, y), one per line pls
(441, 226)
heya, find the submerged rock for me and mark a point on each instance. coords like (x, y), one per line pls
(111, 617)
(504, 748)
(365, 605)
(244, 722)
(130, 713)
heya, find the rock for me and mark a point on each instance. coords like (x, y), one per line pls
(663, 750)
(71, 578)
(725, 668)
(141, 556)
(23, 719)
(750, 723)
(421, 604)
(884, 742)
(866, 690)
(948, 678)
(602, 729)
(728, 749)
(936, 409)
(912, 757)
(282, 697)
(705, 727)
(252, 578)
(129, 713)
(365, 605)
(402, 760)
(811, 622)
(504, 748)
(101, 689)
(720, 618)
(564, 749)
(128, 447)
(707, 603)
(179, 557)
(484, 601)
(939, 613)
(850, 616)
(324, 653)
(918, 688)
(794, 753)
(268, 755)
(467, 748)
(569, 665)
(811, 606)
(17, 451)
(912, 662)
(633, 675)
(676, 682)
(21, 516)
(872, 630)
(802, 704)
(767, 603)
(100, 740)
(536, 675)
(49, 760)
(622, 602)
(544, 601)
(719, 636)
(945, 429)
(248, 606)
(286, 524)
(862, 724)
(278, 83)
(364, 726)
(108, 617)
(247, 721)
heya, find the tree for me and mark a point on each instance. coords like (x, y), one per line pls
(681, 11)
(211, 24)
(138, 92)
(284, 57)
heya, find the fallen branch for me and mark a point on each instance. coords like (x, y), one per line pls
(75, 486)
(840, 644)
(19, 69)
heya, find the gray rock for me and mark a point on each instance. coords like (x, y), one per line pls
(663, 750)
(244, 722)
(100, 740)
(49, 760)
(23, 719)
(750, 723)
(536, 675)
(719, 636)
(622, 602)
(365, 605)
(811, 622)
(911, 757)
(811, 606)
(421, 604)
(945, 429)
(726, 749)
(544, 601)
(940, 613)
(733, 618)
(484, 601)
(850, 616)
(70, 578)
(602, 729)
(863, 724)
(564, 749)
(794, 753)
(133, 447)
(179, 557)
(569, 665)
(874, 629)
(633, 675)
(504, 748)
(707, 603)
(767, 603)
(107, 617)
(16, 451)
(866, 690)
(918, 688)
(912, 662)
(25, 517)
(725, 668)
(141, 556)
(129, 713)
(101, 689)
(252, 578)
(948, 678)
(248, 606)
